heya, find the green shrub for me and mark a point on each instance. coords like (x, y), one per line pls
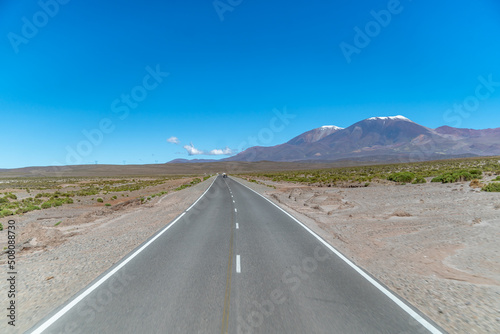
(5, 213)
(21, 211)
(100, 200)
(14, 205)
(419, 179)
(107, 204)
(1, 227)
(46, 205)
(452, 177)
(497, 178)
(59, 222)
(114, 197)
(4, 200)
(27, 209)
(492, 187)
(196, 180)
(401, 177)
(184, 186)
(476, 173)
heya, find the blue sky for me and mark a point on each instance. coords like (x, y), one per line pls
(216, 73)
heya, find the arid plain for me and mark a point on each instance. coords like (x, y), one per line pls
(433, 243)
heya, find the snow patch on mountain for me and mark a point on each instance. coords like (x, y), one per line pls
(328, 127)
(398, 117)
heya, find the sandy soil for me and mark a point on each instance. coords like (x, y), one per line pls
(436, 245)
(55, 262)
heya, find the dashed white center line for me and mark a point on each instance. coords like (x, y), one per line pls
(235, 210)
(234, 201)
(238, 266)
(237, 226)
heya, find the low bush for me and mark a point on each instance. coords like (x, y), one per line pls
(196, 180)
(5, 213)
(46, 205)
(419, 179)
(27, 209)
(492, 187)
(184, 186)
(452, 177)
(100, 200)
(477, 173)
(401, 177)
(10, 195)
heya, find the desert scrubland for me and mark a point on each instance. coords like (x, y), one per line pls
(433, 243)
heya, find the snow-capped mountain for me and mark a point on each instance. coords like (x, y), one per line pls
(379, 139)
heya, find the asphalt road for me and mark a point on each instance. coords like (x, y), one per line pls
(234, 262)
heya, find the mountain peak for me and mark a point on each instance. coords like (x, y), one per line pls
(398, 117)
(314, 135)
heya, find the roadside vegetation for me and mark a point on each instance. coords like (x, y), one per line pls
(444, 171)
(492, 187)
(187, 185)
(44, 193)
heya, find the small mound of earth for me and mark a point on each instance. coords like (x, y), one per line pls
(401, 213)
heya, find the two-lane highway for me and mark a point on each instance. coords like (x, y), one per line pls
(235, 263)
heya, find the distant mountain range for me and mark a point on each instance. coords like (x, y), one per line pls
(184, 161)
(377, 139)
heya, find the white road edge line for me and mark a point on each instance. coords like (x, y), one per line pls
(386, 292)
(201, 195)
(75, 301)
(238, 266)
(237, 226)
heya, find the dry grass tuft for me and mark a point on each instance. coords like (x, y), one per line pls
(476, 184)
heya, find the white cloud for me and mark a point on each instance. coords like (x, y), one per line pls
(226, 151)
(192, 150)
(173, 140)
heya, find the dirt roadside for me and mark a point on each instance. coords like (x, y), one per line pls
(436, 245)
(55, 262)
